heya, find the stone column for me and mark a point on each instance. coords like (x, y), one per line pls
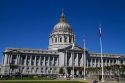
(82, 60)
(68, 39)
(11, 58)
(77, 72)
(99, 63)
(71, 58)
(76, 60)
(40, 61)
(91, 64)
(62, 39)
(72, 71)
(8, 59)
(5, 59)
(44, 61)
(123, 61)
(106, 62)
(35, 61)
(57, 38)
(72, 39)
(16, 61)
(95, 62)
(30, 62)
(118, 61)
(57, 63)
(25, 60)
(19, 59)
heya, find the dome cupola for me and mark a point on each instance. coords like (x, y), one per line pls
(62, 34)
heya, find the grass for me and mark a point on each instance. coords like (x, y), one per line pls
(25, 78)
(41, 82)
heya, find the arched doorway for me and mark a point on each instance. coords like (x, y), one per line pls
(69, 71)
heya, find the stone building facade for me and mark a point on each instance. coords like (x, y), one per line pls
(61, 53)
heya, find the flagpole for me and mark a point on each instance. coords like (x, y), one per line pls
(84, 58)
(102, 79)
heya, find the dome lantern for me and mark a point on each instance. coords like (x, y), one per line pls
(62, 19)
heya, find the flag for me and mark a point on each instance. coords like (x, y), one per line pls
(100, 31)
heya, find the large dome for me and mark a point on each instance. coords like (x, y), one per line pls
(62, 35)
(62, 27)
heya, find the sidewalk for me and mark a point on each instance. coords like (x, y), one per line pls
(111, 82)
(89, 80)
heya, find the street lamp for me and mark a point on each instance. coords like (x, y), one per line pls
(73, 59)
(66, 62)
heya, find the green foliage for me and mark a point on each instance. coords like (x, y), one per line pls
(25, 78)
(41, 82)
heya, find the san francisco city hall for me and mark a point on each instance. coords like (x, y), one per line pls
(61, 53)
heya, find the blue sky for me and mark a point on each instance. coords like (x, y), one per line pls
(28, 23)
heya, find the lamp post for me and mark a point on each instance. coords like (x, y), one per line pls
(66, 62)
(73, 59)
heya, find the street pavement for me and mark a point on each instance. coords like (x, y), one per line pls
(90, 80)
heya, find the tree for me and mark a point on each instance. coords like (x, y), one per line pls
(122, 71)
(115, 70)
(107, 70)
